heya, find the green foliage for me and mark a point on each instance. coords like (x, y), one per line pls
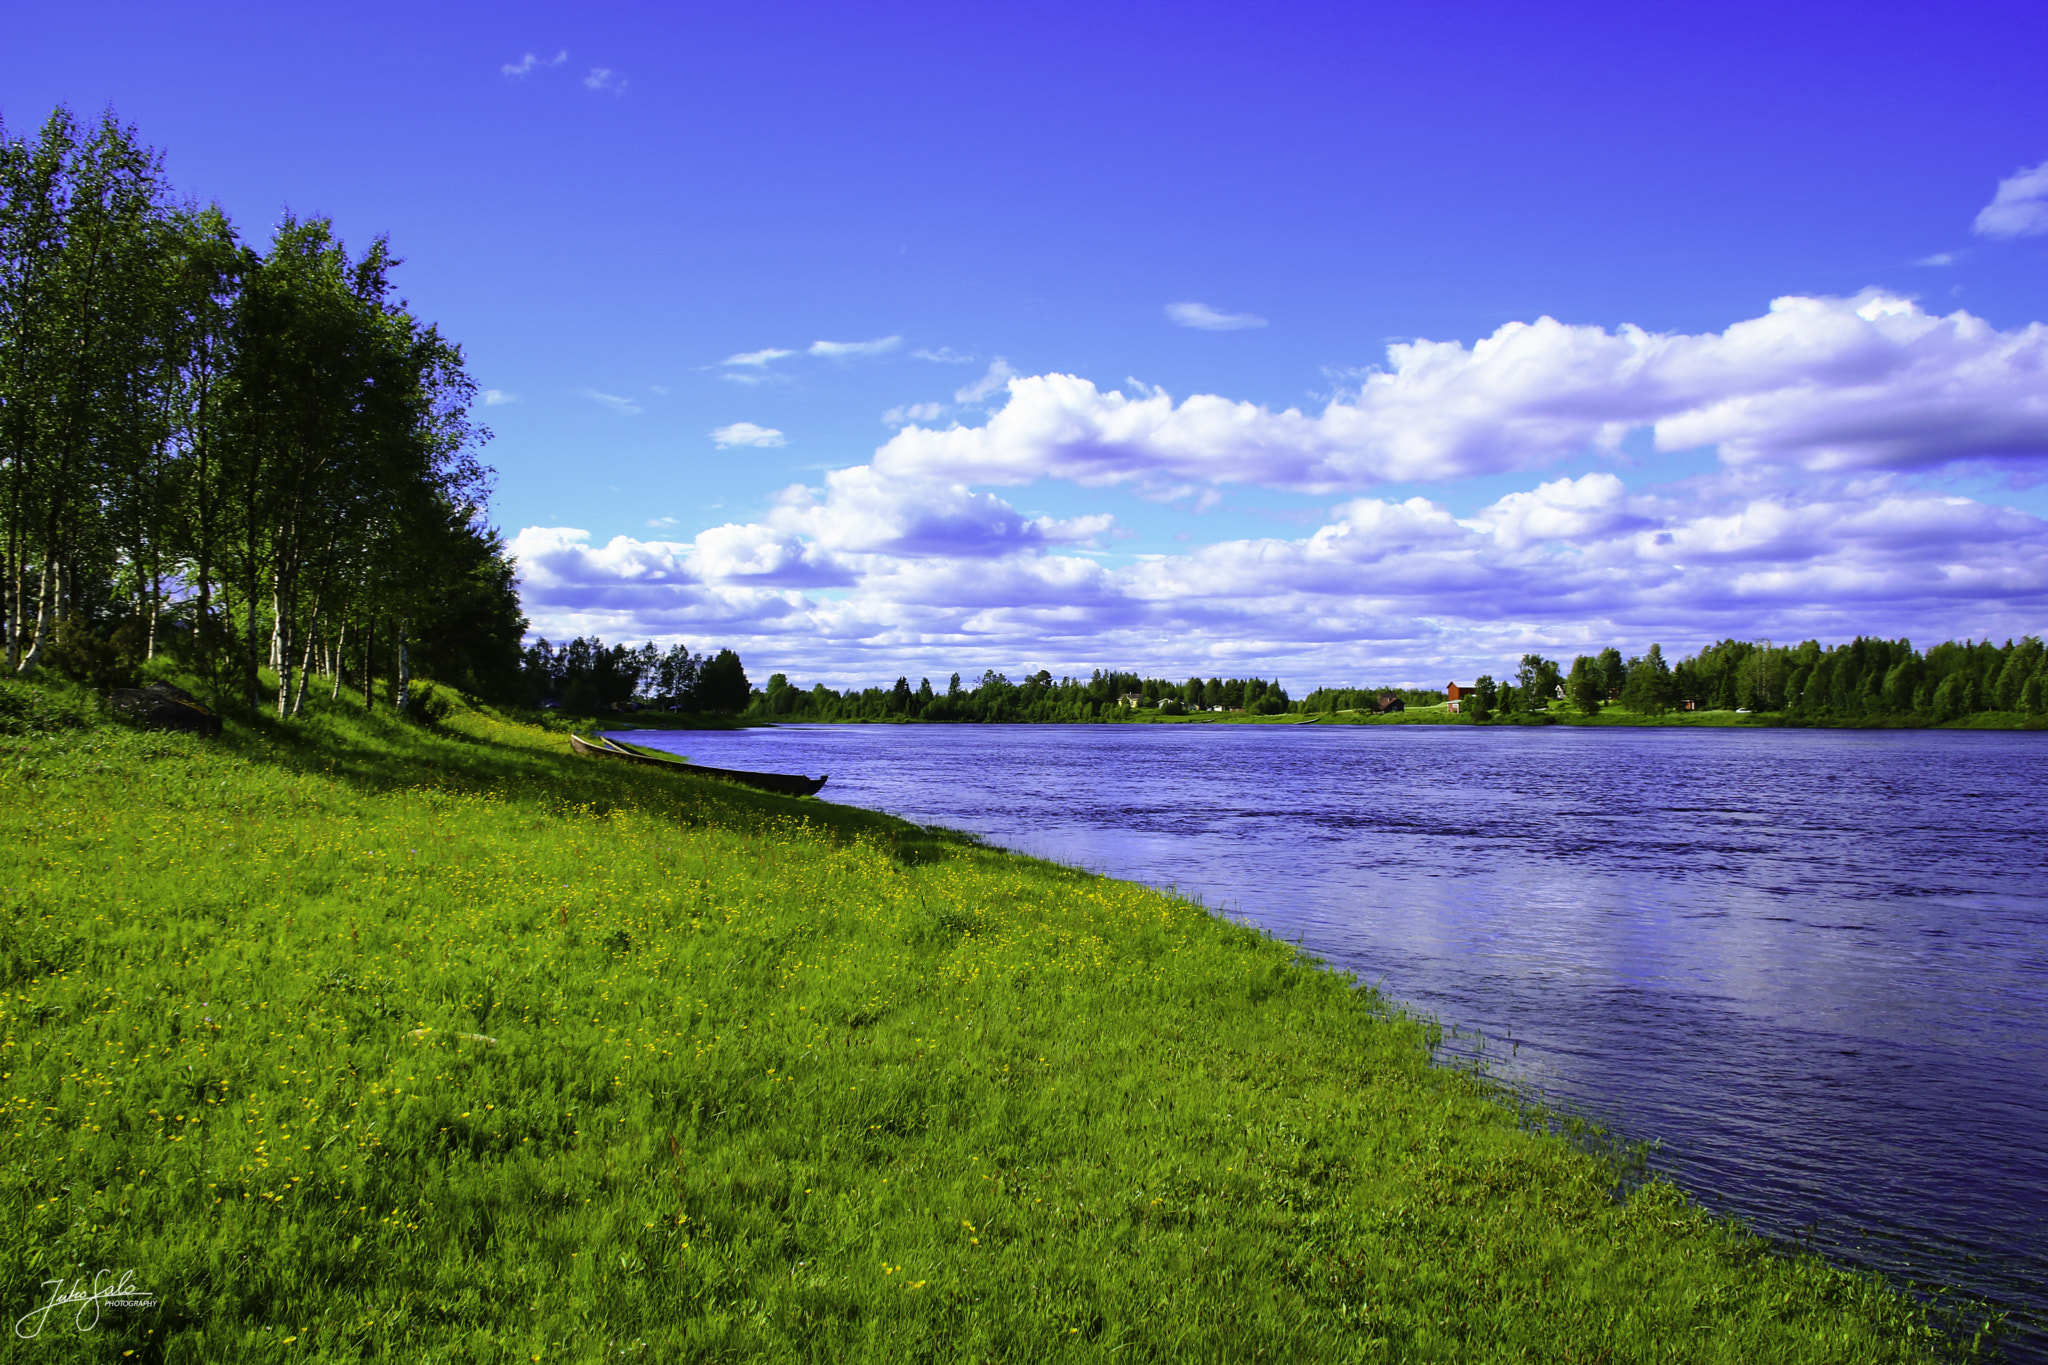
(722, 684)
(1105, 695)
(245, 459)
(1372, 700)
(354, 1039)
(1537, 680)
(1736, 682)
(83, 656)
(1650, 689)
(26, 709)
(1485, 697)
(585, 675)
(1584, 689)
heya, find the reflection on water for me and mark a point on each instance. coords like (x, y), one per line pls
(1812, 963)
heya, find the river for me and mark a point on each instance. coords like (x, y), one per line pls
(1811, 964)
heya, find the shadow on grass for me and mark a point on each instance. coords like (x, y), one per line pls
(526, 760)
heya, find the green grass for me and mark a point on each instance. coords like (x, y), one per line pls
(353, 1040)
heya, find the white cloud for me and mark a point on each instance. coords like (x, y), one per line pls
(1938, 259)
(1818, 383)
(662, 523)
(757, 359)
(847, 350)
(495, 398)
(2019, 208)
(904, 413)
(529, 64)
(1826, 415)
(929, 577)
(868, 513)
(998, 378)
(604, 78)
(625, 407)
(746, 434)
(1207, 319)
(944, 355)
(1593, 506)
(762, 555)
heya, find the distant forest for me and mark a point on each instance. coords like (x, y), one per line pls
(1039, 697)
(1866, 679)
(259, 462)
(587, 675)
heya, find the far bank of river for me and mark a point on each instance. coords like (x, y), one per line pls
(1812, 963)
(1613, 717)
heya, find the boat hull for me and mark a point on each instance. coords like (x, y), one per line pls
(786, 784)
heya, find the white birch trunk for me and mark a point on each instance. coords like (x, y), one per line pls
(340, 643)
(44, 606)
(281, 643)
(306, 667)
(404, 669)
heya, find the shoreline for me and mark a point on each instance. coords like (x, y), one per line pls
(1687, 720)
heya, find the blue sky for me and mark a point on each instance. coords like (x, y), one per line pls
(881, 339)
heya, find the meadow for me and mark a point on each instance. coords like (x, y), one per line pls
(352, 1039)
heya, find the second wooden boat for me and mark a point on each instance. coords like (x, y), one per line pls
(788, 784)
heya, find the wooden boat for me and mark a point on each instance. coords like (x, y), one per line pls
(788, 784)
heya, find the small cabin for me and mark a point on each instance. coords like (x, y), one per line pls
(1134, 700)
(1454, 692)
(1388, 705)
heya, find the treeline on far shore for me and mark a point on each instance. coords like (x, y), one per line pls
(1039, 697)
(1865, 680)
(588, 676)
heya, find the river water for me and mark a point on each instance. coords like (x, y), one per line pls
(1811, 964)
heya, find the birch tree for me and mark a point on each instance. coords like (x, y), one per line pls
(267, 445)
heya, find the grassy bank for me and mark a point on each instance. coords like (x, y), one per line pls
(355, 1040)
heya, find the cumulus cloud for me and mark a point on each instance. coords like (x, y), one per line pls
(2019, 208)
(871, 575)
(1816, 383)
(625, 407)
(767, 556)
(1207, 319)
(1827, 415)
(1593, 507)
(904, 413)
(861, 511)
(848, 350)
(494, 398)
(746, 434)
(529, 64)
(604, 78)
